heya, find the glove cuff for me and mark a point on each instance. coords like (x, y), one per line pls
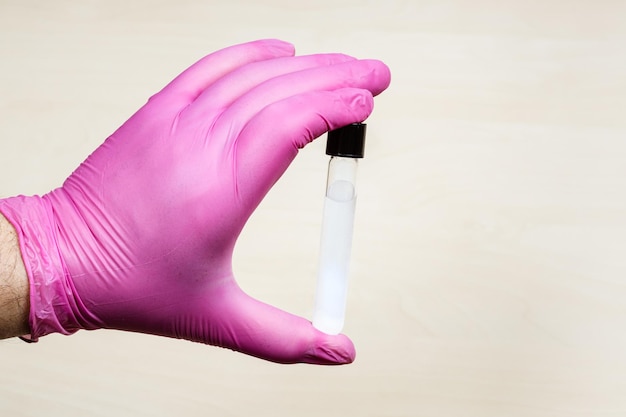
(52, 300)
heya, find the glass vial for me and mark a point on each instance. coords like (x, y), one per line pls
(345, 146)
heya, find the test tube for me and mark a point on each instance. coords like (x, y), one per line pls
(345, 146)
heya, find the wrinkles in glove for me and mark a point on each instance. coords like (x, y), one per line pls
(140, 237)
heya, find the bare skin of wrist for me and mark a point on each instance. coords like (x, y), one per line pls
(14, 294)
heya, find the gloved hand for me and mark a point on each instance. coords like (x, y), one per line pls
(140, 237)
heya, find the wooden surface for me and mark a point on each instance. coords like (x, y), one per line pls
(489, 270)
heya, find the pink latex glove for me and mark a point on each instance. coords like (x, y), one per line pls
(140, 237)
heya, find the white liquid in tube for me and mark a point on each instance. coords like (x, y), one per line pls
(335, 246)
(345, 146)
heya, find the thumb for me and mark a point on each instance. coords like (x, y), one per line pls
(259, 329)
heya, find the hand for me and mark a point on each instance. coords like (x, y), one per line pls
(140, 237)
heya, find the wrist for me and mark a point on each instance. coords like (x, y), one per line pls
(14, 294)
(49, 295)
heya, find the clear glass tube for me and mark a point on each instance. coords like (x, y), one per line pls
(335, 246)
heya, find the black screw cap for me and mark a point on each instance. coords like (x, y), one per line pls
(347, 141)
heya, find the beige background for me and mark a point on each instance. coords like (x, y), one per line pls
(489, 270)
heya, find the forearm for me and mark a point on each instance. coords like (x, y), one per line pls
(14, 294)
